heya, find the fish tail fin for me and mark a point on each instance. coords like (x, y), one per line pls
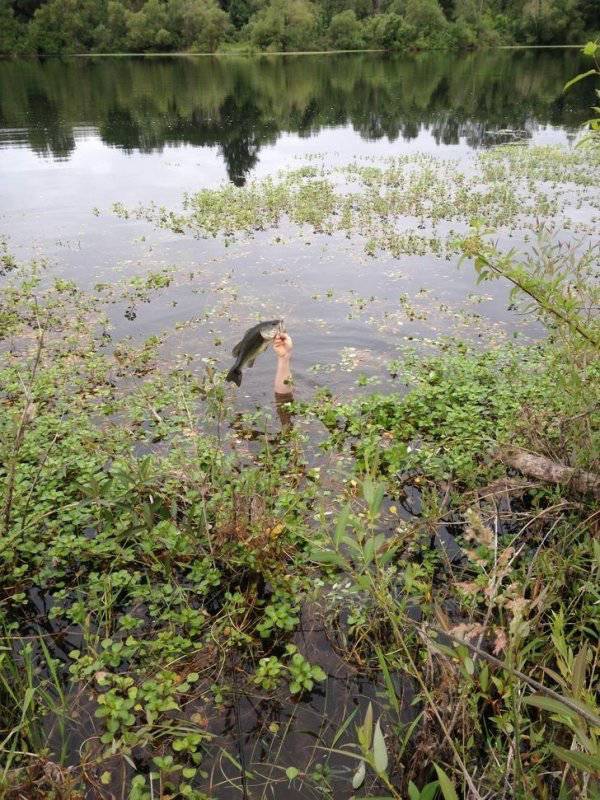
(234, 376)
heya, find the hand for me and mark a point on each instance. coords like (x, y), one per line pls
(283, 345)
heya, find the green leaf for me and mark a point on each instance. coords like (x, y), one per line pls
(413, 792)
(373, 493)
(484, 678)
(369, 551)
(380, 755)
(549, 704)
(292, 772)
(578, 78)
(582, 761)
(429, 792)
(329, 557)
(579, 669)
(388, 555)
(105, 778)
(365, 733)
(445, 784)
(342, 524)
(359, 776)
(389, 685)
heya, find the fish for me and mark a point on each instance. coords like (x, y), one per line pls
(254, 342)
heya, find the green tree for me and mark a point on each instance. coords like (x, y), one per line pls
(474, 23)
(389, 31)
(285, 25)
(427, 18)
(362, 8)
(11, 30)
(550, 22)
(198, 24)
(111, 33)
(24, 9)
(67, 26)
(240, 12)
(148, 28)
(394, 7)
(345, 32)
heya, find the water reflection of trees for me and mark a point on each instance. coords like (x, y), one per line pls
(240, 105)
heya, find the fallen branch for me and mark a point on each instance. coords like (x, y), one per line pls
(543, 469)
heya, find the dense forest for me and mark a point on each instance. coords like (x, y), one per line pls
(100, 26)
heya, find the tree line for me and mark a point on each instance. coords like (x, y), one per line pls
(140, 26)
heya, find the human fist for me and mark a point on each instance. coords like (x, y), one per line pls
(282, 344)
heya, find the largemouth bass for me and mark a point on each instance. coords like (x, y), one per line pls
(255, 340)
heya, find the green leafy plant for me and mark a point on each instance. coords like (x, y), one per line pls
(302, 675)
(269, 673)
(591, 49)
(281, 614)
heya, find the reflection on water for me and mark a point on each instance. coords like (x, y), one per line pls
(239, 105)
(77, 135)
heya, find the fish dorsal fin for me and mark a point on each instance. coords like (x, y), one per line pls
(236, 349)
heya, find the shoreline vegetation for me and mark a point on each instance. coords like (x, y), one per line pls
(264, 53)
(61, 27)
(267, 53)
(194, 605)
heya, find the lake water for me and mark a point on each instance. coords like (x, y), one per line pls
(78, 135)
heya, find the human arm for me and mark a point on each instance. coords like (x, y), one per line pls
(282, 344)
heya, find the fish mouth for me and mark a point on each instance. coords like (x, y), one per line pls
(275, 330)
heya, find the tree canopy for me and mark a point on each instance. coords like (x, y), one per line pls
(95, 26)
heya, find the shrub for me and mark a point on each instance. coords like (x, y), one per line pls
(198, 24)
(285, 25)
(428, 19)
(346, 32)
(389, 31)
(148, 28)
(11, 30)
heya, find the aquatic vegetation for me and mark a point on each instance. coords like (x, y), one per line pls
(185, 565)
(176, 573)
(410, 205)
(161, 560)
(301, 674)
